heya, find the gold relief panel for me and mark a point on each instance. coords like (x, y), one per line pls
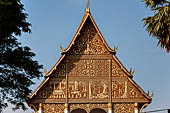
(78, 89)
(116, 70)
(73, 68)
(58, 90)
(53, 108)
(60, 70)
(102, 67)
(119, 89)
(123, 108)
(96, 46)
(88, 68)
(88, 41)
(45, 91)
(134, 92)
(53, 90)
(98, 90)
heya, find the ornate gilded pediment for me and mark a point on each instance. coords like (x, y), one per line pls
(88, 73)
(88, 40)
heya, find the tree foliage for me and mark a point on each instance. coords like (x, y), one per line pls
(17, 66)
(158, 25)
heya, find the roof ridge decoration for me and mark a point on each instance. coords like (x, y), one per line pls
(84, 19)
(88, 5)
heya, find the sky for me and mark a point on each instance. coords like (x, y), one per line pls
(54, 22)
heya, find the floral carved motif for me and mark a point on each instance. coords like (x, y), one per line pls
(98, 90)
(53, 108)
(119, 89)
(88, 41)
(77, 89)
(102, 67)
(116, 70)
(88, 68)
(123, 108)
(134, 93)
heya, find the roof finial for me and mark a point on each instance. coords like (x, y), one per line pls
(88, 5)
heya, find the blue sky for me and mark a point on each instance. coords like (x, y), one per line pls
(54, 22)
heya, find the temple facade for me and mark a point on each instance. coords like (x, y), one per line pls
(88, 78)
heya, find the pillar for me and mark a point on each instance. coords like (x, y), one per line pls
(66, 109)
(40, 108)
(136, 108)
(110, 107)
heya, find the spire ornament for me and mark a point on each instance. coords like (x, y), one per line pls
(88, 5)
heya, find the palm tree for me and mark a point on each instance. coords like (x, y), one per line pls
(159, 24)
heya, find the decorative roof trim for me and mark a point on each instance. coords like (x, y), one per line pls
(122, 66)
(140, 89)
(55, 66)
(47, 75)
(38, 88)
(86, 15)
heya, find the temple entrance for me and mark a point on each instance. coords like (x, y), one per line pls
(79, 111)
(98, 110)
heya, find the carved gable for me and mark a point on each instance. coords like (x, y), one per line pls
(88, 41)
(88, 75)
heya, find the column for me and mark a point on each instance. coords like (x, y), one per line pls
(40, 108)
(110, 107)
(110, 110)
(136, 108)
(66, 109)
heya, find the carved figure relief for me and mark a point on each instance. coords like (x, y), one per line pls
(88, 68)
(98, 90)
(58, 90)
(123, 108)
(53, 108)
(119, 89)
(116, 70)
(77, 89)
(88, 41)
(53, 90)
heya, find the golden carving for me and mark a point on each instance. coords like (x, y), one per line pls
(133, 92)
(98, 90)
(89, 41)
(123, 108)
(88, 68)
(53, 90)
(119, 89)
(60, 70)
(44, 92)
(53, 108)
(116, 70)
(58, 90)
(102, 67)
(77, 89)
